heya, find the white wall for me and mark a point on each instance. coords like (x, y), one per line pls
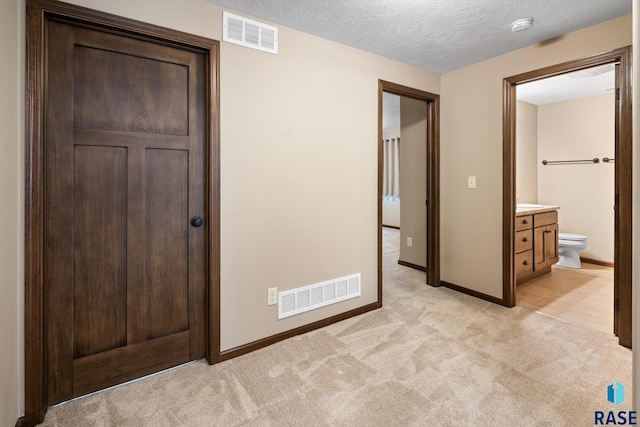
(580, 129)
(526, 152)
(11, 211)
(391, 212)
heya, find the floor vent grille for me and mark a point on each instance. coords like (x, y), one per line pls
(248, 33)
(299, 300)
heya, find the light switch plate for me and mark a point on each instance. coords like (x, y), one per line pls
(471, 181)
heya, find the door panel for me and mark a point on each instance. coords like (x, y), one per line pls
(167, 228)
(125, 270)
(119, 91)
(108, 368)
(100, 279)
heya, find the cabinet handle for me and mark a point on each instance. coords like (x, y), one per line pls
(524, 239)
(524, 221)
(525, 262)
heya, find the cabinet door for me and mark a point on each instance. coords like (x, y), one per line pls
(551, 244)
(546, 246)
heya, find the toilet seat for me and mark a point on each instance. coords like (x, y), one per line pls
(569, 243)
(570, 236)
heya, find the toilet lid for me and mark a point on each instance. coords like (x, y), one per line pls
(569, 236)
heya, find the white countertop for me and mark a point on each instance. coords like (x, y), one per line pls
(530, 209)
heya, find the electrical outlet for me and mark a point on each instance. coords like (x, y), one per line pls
(409, 241)
(272, 296)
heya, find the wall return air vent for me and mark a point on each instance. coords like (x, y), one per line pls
(299, 300)
(246, 32)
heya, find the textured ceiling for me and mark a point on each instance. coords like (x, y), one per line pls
(579, 84)
(437, 35)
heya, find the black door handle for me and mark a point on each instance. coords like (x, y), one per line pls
(196, 221)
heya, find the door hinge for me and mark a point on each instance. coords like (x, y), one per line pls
(617, 93)
(616, 304)
(426, 202)
(616, 199)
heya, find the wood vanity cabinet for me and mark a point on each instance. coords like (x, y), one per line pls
(536, 244)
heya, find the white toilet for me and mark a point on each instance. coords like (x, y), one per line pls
(569, 248)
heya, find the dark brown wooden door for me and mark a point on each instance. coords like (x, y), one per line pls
(124, 266)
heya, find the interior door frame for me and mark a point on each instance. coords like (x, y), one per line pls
(432, 176)
(38, 14)
(623, 179)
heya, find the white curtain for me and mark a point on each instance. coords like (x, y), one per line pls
(391, 165)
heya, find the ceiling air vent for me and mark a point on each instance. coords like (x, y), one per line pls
(246, 32)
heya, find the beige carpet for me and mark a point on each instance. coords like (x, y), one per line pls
(429, 357)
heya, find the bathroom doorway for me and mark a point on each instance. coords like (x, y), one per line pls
(418, 118)
(617, 158)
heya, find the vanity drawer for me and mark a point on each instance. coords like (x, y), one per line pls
(524, 222)
(542, 219)
(524, 240)
(524, 264)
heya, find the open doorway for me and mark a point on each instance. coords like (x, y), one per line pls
(421, 108)
(565, 143)
(620, 197)
(404, 144)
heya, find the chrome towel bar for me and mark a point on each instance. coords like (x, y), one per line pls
(555, 162)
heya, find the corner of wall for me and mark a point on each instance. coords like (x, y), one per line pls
(12, 42)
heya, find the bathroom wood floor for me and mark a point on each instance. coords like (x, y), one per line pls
(580, 296)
